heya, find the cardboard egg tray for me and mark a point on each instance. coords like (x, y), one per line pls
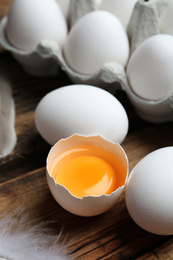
(47, 58)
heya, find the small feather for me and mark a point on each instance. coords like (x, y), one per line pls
(7, 118)
(18, 242)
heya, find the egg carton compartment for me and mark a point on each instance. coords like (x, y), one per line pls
(48, 57)
(144, 23)
(33, 62)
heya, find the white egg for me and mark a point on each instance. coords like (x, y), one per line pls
(80, 109)
(90, 205)
(95, 39)
(31, 21)
(122, 9)
(149, 192)
(149, 70)
(166, 19)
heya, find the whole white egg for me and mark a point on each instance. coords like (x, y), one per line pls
(149, 70)
(149, 192)
(80, 109)
(122, 9)
(31, 21)
(95, 39)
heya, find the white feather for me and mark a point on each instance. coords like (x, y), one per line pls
(7, 118)
(18, 242)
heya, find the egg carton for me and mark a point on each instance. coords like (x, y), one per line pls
(33, 62)
(41, 61)
(47, 58)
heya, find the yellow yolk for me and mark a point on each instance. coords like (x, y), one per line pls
(88, 171)
(86, 175)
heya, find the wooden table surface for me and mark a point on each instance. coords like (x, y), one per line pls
(112, 235)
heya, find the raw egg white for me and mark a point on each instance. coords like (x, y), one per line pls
(149, 192)
(149, 70)
(31, 21)
(122, 9)
(86, 175)
(95, 39)
(80, 109)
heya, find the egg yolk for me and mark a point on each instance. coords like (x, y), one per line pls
(88, 171)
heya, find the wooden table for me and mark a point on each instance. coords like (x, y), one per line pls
(112, 235)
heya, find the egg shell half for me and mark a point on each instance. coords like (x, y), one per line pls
(80, 109)
(89, 205)
(149, 192)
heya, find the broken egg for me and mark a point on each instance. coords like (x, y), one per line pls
(29, 22)
(86, 175)
(95, 39)
(149, 192)
(80, 109)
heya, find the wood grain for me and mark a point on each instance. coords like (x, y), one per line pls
(112, 235)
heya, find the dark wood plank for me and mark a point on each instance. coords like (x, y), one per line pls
(112, 234)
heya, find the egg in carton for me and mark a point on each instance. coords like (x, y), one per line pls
(33, 43)
(144, 24)
(153, 102)
(156, 104)
(48, 56)
(80, 60)
(27, 42)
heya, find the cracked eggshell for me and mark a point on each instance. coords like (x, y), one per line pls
(80, 109)
(149, 191)
(88, 205)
